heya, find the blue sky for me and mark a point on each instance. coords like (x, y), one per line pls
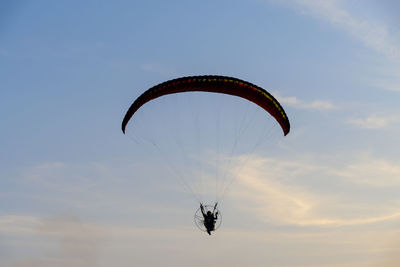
(76, 192)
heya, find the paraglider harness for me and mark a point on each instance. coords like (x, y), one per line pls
(209, 218)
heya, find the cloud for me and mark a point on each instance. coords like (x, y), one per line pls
(373, 34)
(297, 103)
(284, 194)
(372, 172)
(393, 85)
(388, 78)
(372, 122)
(371, 31)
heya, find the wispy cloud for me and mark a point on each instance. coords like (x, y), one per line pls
(372, 122)
(389, 77)
(373, 34)
(284, 195)
(297, 103)
(393, 85)
(372, 172)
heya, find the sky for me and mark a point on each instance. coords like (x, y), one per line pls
(75, 191)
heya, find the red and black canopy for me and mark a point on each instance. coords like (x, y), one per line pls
(213, 84)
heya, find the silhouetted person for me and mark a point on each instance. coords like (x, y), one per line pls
(209, 218)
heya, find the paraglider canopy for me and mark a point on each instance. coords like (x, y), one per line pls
(213, 84)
